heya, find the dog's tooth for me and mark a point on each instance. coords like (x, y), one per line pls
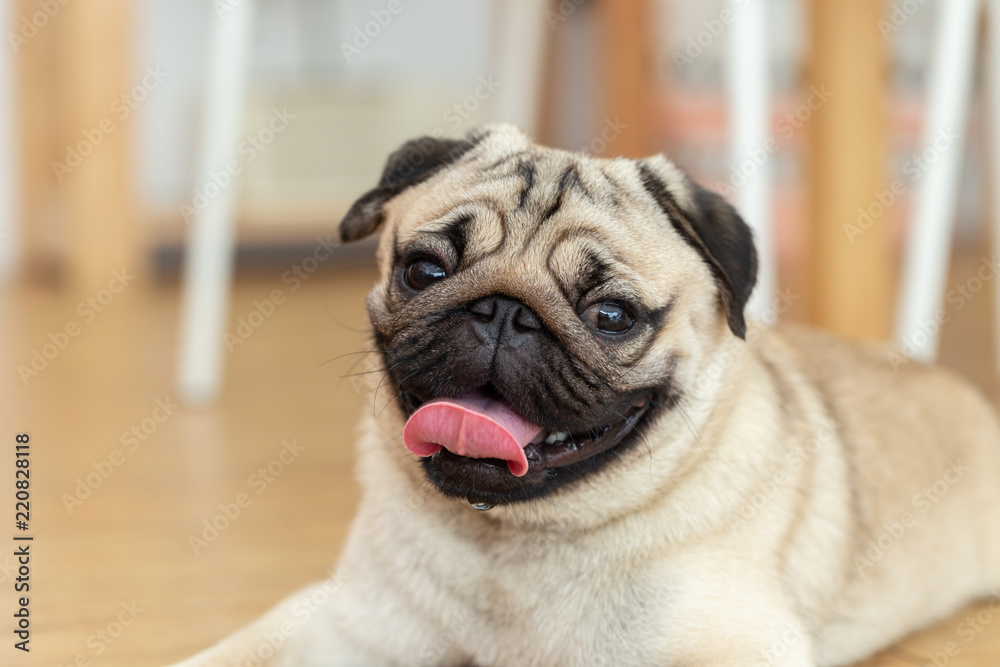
(560, 437)
(551, 439)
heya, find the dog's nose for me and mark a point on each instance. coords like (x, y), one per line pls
(496, 318)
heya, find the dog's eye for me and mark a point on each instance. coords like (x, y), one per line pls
(422, 273)
(608, 317)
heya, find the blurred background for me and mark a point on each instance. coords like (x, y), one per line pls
(176, 312)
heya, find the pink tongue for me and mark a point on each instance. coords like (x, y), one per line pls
(476, 426)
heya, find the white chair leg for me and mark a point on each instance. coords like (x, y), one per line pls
(928, 249)
(521, 32)
(749, 100)
(993, 86)
(208, 266)
(8, 155)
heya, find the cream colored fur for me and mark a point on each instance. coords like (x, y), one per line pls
(804, 504)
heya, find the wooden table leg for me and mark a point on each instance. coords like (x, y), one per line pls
(627, 61)
(98, 100)
(36, 116)
(850, 273)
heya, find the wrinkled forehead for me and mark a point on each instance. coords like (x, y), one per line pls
(569, 215)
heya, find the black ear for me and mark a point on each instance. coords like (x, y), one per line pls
(412, 163)
(713, 228)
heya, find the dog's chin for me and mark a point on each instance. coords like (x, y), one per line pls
(554, 460)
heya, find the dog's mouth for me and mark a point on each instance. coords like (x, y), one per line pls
(479, 448)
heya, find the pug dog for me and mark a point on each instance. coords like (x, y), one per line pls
(590, 459)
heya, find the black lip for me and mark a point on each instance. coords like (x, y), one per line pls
(409, 403)
(579, 448)
(550, 466)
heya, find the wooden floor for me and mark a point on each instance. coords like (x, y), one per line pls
(123, 553)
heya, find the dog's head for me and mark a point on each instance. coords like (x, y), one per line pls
(566, 291)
